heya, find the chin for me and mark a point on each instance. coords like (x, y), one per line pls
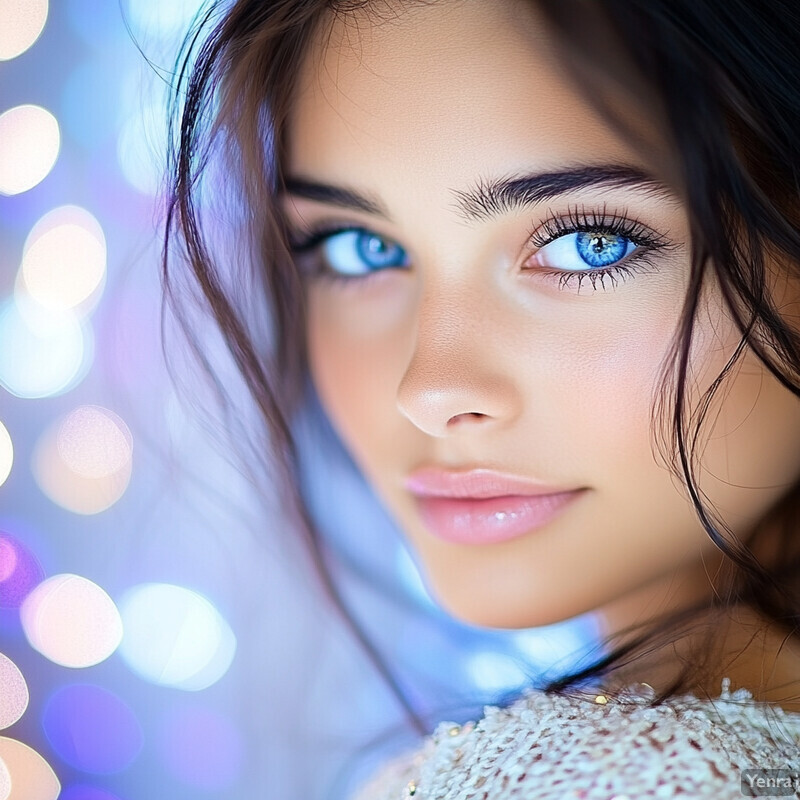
(473, 608)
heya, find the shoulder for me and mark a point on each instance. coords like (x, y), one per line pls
(553, 745)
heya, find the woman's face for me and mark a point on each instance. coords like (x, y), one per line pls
(504, 299)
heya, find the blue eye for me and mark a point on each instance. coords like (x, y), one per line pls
(359, 252)
(585, 250)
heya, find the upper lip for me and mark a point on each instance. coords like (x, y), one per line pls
(474, 483)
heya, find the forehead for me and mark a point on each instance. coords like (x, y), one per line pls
(440, 93)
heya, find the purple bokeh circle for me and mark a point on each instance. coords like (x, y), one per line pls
(92, 729)
(19, 578)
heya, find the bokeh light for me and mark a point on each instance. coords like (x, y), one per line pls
(32, 778)
(13, 692)
(94, 442)
(23, 21)
(201, 748)
(71, 621)
(5, 781)
(83, 463)
(29, 145)
(64, 260)
(20, 571)
(92, 729)
(8, 560)
(6, 458)
(52, 351)
(175, 637)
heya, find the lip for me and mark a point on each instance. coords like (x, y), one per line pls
(483, 506)
(474, 483)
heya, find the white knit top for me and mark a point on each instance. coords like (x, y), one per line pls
(595, 747)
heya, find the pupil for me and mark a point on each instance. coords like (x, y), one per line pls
(600, 249)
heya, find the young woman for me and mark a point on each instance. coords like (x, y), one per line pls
(541, 263)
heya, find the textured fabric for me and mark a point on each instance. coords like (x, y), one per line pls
(549, 747)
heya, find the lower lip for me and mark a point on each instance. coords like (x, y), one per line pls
(493, 519)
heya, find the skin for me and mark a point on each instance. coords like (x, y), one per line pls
(472, 357)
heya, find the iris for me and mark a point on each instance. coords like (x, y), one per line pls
(600, 249)
(358, 252)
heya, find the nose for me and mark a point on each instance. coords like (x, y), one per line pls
(458, 374)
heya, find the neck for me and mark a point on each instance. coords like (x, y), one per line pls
(738, 642)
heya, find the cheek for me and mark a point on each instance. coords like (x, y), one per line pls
(352, 356)
(749, 443)
(604, 387)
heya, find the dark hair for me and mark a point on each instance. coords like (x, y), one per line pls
(721, 81)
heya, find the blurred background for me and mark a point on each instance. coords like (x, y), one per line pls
(161, 632)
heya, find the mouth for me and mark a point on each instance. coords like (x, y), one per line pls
(484, 506)
(492, 519)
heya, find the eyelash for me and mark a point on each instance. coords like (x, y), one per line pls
(554, 227)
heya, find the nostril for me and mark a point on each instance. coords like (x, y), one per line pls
(463, 417)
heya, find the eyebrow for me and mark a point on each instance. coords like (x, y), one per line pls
(490, 198)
